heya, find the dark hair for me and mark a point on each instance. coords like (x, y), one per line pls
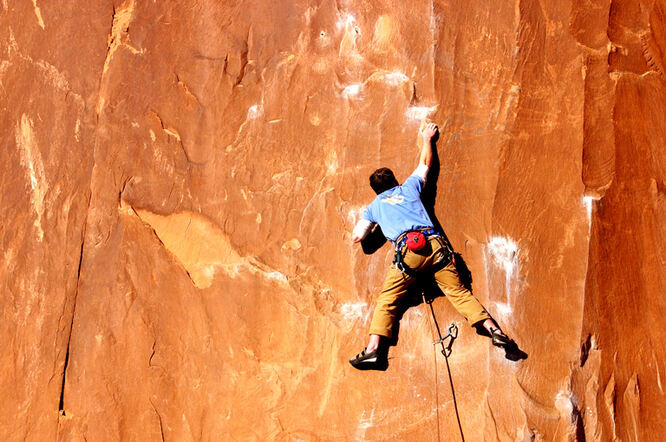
(382, 180)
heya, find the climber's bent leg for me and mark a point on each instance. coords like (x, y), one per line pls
(395, 287)
(462, 299)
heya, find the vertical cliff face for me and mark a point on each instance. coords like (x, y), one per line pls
(180, 182)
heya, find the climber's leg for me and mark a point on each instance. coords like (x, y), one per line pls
(395, 287)
(462, 299)
(467, 305)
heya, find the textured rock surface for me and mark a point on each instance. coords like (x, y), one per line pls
(180, 180)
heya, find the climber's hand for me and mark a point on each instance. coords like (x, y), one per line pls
(429, 131)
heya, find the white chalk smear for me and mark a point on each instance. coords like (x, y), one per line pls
(331, 163)
(503, 308)
(588, 202)
(345, 20)
(254, 112)
(352, 90)
(353, 311)
(355, 214)
(504, 252)
(395, 78)
(564, 402)
(364, 424)
(276, 276)
(420, 112)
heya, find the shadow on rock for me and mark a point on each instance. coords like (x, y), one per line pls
(374, 241)
(464, 273)
(514, 353)
(427, 288)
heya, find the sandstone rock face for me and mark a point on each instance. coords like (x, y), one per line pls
(180, 180)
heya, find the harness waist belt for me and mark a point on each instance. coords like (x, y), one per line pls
(401, 242)
(402, 238)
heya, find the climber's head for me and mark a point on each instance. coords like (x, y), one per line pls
(382, 180)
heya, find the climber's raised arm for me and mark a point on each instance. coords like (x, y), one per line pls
(428, 134)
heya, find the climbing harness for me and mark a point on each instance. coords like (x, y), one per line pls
(447, 349)
(425, 231)
(415, 240)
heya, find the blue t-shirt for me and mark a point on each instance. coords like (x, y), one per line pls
(399, 209)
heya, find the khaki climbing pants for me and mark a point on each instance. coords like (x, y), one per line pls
(423, 262)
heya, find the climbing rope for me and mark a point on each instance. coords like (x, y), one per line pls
(446, 351)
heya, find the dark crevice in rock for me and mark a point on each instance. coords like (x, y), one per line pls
(585, 350)
(577, 418)
(61, 404)
(244, 60)
(159, 419)
(152, 354)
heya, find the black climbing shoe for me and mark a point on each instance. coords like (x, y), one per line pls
(365, 361)
(499, 339)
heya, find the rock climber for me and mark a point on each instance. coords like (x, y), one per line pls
(419, 251)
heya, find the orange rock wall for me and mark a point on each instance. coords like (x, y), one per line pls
(180, 180)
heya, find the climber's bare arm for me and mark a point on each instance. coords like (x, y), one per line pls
(361, 230)
(428, 134)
